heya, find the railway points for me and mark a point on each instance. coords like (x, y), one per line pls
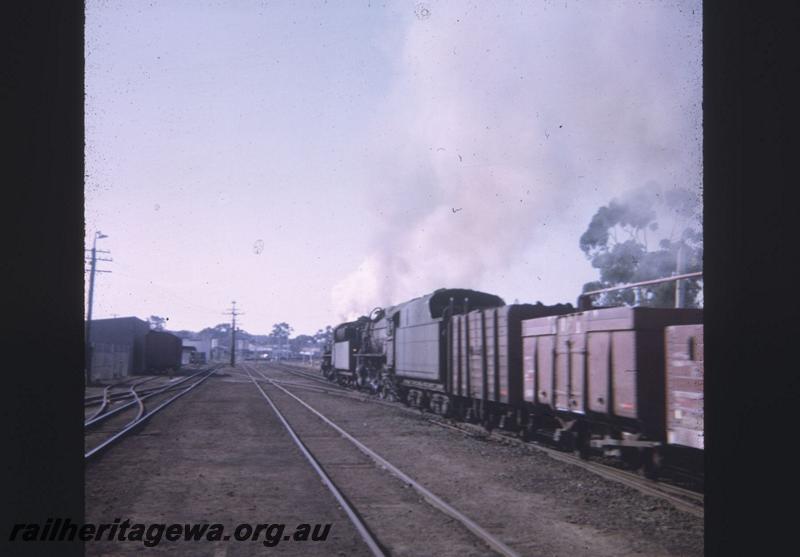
(216, 455)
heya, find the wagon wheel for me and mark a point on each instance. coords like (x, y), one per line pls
(456, 411)
(653, 461)
(581, 440)
(524, 433)
(469, 415)
(632, 456)
(489, 421)
(582, 446)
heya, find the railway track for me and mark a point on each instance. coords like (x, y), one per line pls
(681, 498)
(128, 416)
(369, 537)
(294, 370)
(92, 400)
(109, 398)
(127, 399)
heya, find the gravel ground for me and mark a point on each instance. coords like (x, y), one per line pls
(218, 455)
(403, 522)
(537, 505)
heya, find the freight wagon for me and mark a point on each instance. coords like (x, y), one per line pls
(685, 395)
(162, 352)
(593, 380)
(598, 377)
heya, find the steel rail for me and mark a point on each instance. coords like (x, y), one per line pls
(290, 369)
(139, 401)
(361, 527)
(346, 394)
(103, 405)
(311, 388)
(430, 497)
(116, 397)
(351, 394)
(94, 399)
(633, 481)
(132, 425)
(158, 390)
(123, 382)
(131, 401)
(287, 368)
(673, 494)
(108, 397)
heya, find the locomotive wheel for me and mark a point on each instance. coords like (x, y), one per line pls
(374, 388)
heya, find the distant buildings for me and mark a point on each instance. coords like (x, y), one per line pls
(126, 346)
(204, 346)
(188, 354)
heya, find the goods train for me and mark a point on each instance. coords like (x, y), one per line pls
(623, 381)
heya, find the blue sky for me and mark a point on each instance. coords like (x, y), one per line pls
(343, 135)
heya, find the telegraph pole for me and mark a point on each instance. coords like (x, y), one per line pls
(92, 270)
(233, 313)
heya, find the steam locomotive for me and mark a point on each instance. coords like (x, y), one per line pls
(622, 381)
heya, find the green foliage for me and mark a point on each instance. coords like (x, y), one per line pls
(281, 331)
(279, 337)
(324, 336)
(220, 331)
(157, 323)
(298, 343)
(616, 242)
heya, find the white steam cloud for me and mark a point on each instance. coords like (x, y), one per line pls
(508, 126)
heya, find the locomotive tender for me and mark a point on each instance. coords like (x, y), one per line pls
(603, 379)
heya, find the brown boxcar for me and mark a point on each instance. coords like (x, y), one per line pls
(684, 346)
(604, 367)
(485, 355)
(162, 351)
